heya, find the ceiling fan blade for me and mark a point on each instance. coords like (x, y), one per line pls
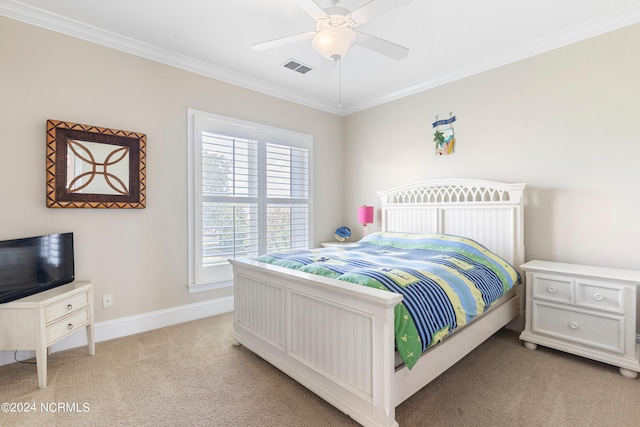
(374, 8)
(283, 41)
(312, 8)
(384, 47)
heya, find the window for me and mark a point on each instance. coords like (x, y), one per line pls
(249, 194)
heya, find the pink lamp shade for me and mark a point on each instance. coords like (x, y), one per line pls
(365, 216)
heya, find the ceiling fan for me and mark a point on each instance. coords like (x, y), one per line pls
(335, 34)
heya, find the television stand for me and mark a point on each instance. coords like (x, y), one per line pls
(40, 320)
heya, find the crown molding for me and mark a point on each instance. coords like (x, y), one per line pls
(61, 24)
(77, 29)
(596, 27)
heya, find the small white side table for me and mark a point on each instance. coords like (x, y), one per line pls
(584, 310)
(38, 321)
(335, 244)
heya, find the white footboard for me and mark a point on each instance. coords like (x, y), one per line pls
(333, 337)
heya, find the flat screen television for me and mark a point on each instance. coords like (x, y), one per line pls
(35, 264)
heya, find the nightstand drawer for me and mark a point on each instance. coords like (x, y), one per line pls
(552, 288)
(600, 295)
(62, 308)
(601, 331)
(67, 325)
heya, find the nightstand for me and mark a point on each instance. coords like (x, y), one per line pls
(583, 310)
(38, 321)
(334, 244)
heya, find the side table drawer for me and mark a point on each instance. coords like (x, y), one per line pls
(600, 295)
(600, 331)
(68, 325)
(62, 308)
(552, 288)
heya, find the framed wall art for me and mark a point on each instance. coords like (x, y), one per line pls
(94, 167)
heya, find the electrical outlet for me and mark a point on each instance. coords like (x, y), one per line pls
(107, 300)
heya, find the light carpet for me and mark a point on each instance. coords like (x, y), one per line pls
(191, 374)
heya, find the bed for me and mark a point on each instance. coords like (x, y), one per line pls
(337, 338)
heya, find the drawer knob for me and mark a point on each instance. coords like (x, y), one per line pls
(69, 307)
(573, 325)
(552, 289)
(70, 326)
(598, 297)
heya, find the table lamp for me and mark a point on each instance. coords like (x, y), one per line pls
(365, 216)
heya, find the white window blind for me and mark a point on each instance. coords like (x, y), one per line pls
(287, 204)
(250, 194)
(229, 198)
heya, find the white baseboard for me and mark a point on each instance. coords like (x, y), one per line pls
(125, 326)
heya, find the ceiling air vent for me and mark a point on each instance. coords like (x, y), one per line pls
(297, 66)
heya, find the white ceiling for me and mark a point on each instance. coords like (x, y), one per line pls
(448, 39)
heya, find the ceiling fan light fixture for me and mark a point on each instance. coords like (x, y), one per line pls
(334, 42)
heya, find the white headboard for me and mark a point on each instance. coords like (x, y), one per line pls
(489, 212)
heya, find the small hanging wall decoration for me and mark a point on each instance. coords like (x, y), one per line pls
(444, 136)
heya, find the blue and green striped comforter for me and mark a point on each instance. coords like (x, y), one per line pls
(446, 281)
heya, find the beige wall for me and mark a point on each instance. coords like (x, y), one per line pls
(566, 122)
(139, 256)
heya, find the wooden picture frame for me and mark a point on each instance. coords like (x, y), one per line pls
(94, 167)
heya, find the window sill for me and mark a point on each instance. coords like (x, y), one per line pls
(201, 287)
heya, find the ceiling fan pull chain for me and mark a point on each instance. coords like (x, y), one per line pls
(339, 65)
